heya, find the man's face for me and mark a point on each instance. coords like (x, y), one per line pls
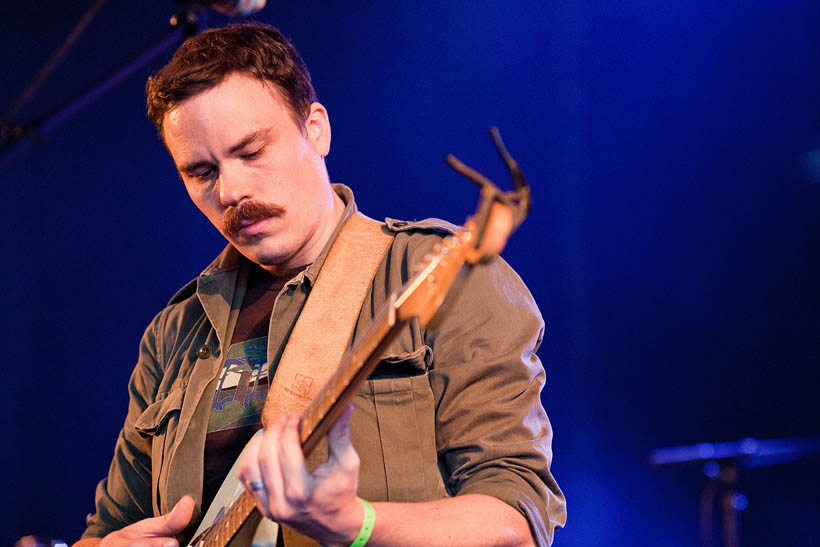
(257, 175)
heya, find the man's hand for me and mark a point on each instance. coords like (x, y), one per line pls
(153, 532)
(321, 504)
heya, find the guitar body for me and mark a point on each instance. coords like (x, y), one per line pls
(256, 531)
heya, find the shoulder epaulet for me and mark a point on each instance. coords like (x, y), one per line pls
(187, 291)
(430, 224)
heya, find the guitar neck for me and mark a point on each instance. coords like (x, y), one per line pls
(357, 364)
(419, 298)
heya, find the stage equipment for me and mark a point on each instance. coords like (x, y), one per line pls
(16, 137)
(232, 8)
(722, 465)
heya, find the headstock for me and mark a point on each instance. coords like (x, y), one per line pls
(485, 234)
(499, 213)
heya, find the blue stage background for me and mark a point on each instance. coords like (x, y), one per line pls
(673, 247)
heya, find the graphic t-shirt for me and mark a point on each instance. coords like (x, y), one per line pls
(236, 410)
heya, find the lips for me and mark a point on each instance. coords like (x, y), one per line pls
(251, 227)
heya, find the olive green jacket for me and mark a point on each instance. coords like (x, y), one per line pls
(449, 411)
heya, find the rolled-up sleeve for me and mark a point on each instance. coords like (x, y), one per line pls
(492, 432)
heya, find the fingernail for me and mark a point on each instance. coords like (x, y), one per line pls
(171, 543)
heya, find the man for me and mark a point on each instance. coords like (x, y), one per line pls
(448, 438)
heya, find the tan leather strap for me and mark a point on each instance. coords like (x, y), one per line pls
(323, 331)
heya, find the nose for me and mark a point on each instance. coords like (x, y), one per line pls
(233, 187)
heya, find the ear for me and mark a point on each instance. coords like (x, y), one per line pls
(317, 127)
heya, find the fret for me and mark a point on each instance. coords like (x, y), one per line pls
(220, 534)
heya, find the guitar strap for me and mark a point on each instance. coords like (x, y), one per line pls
(324, 329)
(313, 352)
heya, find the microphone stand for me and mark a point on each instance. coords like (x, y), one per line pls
(723, 462)
(17, 138)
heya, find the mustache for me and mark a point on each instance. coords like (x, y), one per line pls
(236, 217)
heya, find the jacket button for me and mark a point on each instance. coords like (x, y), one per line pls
(203, 352)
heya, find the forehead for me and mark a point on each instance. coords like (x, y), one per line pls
(224, 113)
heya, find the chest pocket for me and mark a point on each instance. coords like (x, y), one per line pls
(157, 414)
(393, 430)
(158, 421)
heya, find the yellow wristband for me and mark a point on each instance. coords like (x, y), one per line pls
(367, 525)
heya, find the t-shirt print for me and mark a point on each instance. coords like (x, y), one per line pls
(243, 384)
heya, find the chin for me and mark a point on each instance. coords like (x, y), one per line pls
(260, 254)
(269, 253)
(267, 260)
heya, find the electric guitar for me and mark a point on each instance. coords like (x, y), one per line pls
(484, 235)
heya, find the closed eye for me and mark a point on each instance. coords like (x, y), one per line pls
(199, 170)
(202, 174)
(253, 155)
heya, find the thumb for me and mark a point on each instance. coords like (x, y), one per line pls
(168, 524)
(180, 515)
(338, 436)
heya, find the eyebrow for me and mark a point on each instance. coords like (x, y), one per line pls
(249, 138)
(246, 140)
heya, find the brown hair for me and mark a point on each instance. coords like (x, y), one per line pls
(253, 49)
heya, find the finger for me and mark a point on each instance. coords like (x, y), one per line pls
(294, 469)
(340, 449)
(248, 469)
(250, 475)
(270, 468)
